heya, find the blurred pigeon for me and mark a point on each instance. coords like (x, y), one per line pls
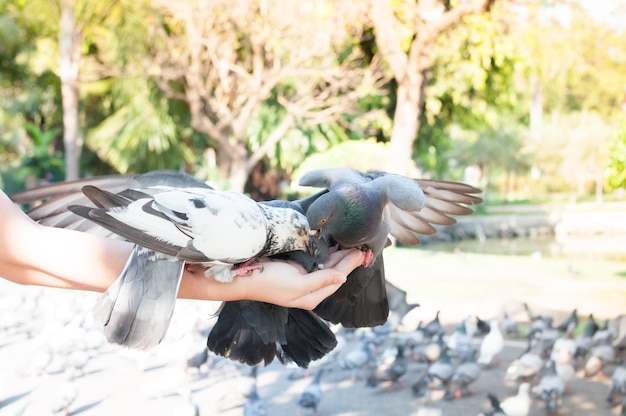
(550, 388)
(618, 386)
(65, 394)
(460, 342)
(390, 371)
(564, 359)
(431, 351)
(491, 345)
(532, 315)
(197, 359)
(355, 359)
(440, 372)
(464, 375)
(570, 323)
(617, 327)
(526, 367)
(311, 395)
(254, 406)
(599, 356)
(509, 326)
(396, 298)
(362, 210)
(584, 341)
(518, 405)
(494, 407)
(434, 327)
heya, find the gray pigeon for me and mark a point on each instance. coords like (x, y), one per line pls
(464, 375)
(311, 395)
(362, 210)
(550, 388)
(618, 385)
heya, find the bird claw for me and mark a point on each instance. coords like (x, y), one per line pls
(247, 269)
(369, 256)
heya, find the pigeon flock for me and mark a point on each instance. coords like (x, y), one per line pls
(354, 341)
(431, 368)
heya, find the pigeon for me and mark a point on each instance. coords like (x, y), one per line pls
(550, 388)
(354, 359)
(65, 394)
(197, 359)
(362, 210)
(526, 367)
(185, 223)
(584, 341)
(509, 326)
(464, 375)
(434, 327)
(618, 385)
(441, 370)
(311, 395)
(389, 371)
(491, 345)
(570, 323)
(518, 405)
(396, 299)
(494, 407)
(532, 315)
(460, 342)
(599, 356)
(255, 405)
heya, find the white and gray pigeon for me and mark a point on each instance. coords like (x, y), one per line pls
(518, 405)
(364, 210)
(175, 218)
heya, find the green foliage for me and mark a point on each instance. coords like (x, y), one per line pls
(140, 134)
(471, 84)
(617, 160)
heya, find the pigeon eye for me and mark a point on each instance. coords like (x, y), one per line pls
(323, 221)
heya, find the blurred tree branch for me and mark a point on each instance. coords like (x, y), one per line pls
(224, 59)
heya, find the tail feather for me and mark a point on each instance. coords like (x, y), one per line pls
(137, 308)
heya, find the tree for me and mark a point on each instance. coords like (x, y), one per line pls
(225, 59)
(405, 36)
(70, 41)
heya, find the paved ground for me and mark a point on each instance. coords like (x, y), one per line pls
(116, 382)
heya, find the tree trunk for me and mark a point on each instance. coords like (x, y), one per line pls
(405, 124)
(69, 58)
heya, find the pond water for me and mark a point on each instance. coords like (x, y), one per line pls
(591, 248)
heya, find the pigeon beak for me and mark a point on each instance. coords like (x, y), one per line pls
(315, 233)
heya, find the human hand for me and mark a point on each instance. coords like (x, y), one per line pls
(287, 283)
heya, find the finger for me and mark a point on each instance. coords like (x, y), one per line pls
(312, 299)
(352, 255)
(346, 262)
